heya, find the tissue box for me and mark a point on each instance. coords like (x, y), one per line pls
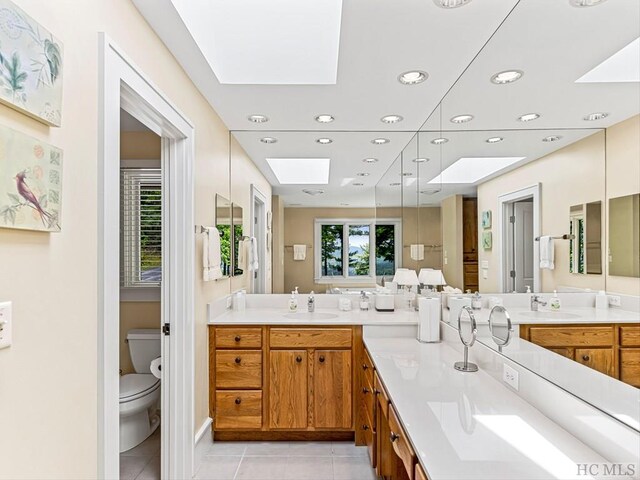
(385, 302)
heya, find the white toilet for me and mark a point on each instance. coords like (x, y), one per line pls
(140, 391)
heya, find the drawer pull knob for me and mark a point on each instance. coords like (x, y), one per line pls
(393, 437)
(585, 358)
(238, 338)
(365, 427)
(365, 390)
(364, 366)
(376, 391)
(238, 359)
(321, 359)
(238, 401)
(298, 359)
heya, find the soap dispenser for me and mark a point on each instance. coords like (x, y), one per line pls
(554, 303)
(293, 301)
(476, 302)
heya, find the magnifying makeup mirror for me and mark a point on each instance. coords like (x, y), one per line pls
(468, 331)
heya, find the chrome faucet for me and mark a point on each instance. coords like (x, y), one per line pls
(311, 303)
(536, 302)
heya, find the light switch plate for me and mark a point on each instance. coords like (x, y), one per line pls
(5, 324)
(485, 264)
(510, 376)
(485, 273)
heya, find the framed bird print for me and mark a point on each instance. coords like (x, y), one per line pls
(31, 66)
(30, 182)
(486, 219)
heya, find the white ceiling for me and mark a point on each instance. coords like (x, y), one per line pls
(551, 41)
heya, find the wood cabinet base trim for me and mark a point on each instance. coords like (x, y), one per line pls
(268, 436)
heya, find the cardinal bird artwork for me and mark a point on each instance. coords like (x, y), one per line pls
(30, 183)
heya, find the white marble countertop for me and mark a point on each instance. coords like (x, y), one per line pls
(279, 316)
(566, 315)
(468, 425)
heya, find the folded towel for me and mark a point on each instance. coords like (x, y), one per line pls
(299, 252)
(253, 254)
(546, 252)
(211, 258)
(243, 255)
(417, 252)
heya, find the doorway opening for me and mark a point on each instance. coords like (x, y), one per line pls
(519, 226)
(259, 229)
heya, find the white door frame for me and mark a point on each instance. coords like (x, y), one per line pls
(256, 194)
(121, 83)
(503, 230)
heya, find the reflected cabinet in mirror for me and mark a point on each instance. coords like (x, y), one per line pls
(624, 236)
(223, 224)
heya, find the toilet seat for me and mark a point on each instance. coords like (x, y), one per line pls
(137, 385)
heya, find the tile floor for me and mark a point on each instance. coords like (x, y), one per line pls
(258, 461)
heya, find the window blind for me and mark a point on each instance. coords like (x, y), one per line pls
(141, 227)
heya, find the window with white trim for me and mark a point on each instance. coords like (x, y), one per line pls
(141, 227)
(356, 249)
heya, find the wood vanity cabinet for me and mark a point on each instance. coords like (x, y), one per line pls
(282, 382)
(613, 349)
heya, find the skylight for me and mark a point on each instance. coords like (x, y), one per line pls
(255, 42)
(474, 169)
(622, 66)
(300, 171)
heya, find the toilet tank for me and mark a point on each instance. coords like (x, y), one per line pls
(144, 346)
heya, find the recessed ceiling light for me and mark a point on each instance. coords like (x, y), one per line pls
(474, 169)
(462, 118)
(324, 141)
(295, 205)
(450, 3)
(380, 141)
(508, 76)
(430, 191)
(300, 171)
(344, 204)
(391, 119)
(406, 174)
(494, 140)
(527, 117)
(258, 118)
(439, 141)
(413, 77)
(395, 184)
(313, 192)
(586, 3)
(325, 118)
(268, 140)
(358, 184)
(595, 116)
(551, 138)
(420, 160)
(362, 174)
(370, 160)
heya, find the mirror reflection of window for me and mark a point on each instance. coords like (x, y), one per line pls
(585, 248)
(223, 224)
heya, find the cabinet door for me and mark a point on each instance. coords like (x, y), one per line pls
(288, 394)
(332, 393)
(630, 366)
(600, 359)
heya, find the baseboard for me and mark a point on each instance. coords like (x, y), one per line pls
(203, 441)
(283, 435)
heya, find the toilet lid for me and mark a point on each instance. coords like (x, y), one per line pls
(135, 385)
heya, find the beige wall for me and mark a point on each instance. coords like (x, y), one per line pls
(48, 377)
(423, 227)
(277, 204)
(140, 146)
(453, 268)
(623, 178)
(135, 315)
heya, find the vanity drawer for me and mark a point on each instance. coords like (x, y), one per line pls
(630, 366)
(368, 400)
(234, 337)
(367, 367)
(237, 409)
(577, 336)
(310, 338)
(401, 444)
(629, 336)
(238, 369)
(383, 398)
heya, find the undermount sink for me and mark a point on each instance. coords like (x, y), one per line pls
(549, 314)
(310, 316)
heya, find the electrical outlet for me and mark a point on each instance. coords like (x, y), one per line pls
(510, 376)
(485, 264)
(229, 302)
(614, 300)
(485, 273)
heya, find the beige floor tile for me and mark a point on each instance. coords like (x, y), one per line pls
(151, 471)
(310, 449)
(280, 449)
(262, 468)
(227, 448)
(352, 468)
(309, 468)
(150, 447)
(348, 449)
(130, 467)
(218, 468)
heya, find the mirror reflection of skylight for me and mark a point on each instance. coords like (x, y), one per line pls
(622, 66)
(300, 171)
(474, 169)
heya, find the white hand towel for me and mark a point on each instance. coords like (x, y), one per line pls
(417, 252)
(253, 254)
(299, 252)
(546, 252)
(242, 255)
(211, 255)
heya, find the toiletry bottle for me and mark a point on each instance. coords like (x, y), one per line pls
(554, 303)
(528, 289)
(602, 301)
(476, 302)
(293, 302)
(364, 301)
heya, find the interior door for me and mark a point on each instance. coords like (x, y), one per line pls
(523, 245)
(288, 389)
(332, 401)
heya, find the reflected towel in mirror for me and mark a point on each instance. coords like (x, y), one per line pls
(299, 252)
(211, 258)
(546, 252)
(417, 252)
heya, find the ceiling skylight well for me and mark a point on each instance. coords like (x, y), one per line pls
(474, 169)
(622, 66)
(253, 42)
(300, 171)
